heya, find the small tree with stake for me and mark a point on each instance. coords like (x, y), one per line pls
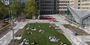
(16, 8)
(3, 10)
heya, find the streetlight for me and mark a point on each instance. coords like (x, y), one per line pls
(10, 19)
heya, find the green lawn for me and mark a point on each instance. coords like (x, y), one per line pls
(43, 38)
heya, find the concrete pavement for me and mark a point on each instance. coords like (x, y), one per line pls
(8, 37)
(75, 40)
(5, 40)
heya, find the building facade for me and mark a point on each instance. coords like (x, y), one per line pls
(80, 4)
(57, 6)
(53, 6)
(83, 5)
(47, 6)
(62, 6)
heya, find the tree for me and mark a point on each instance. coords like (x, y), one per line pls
(30, 8)
(3, 10)
(16, 8)
(1, 4)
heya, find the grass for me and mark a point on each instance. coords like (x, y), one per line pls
(43, 38)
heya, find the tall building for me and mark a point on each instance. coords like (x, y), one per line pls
(80, 4)
(47, 6)
(53, 6)
(57, 6)
(79, 12)
(62, 6)
(71, 3)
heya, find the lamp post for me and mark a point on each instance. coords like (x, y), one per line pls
(10, 20)
(12, 25)
(39, 8)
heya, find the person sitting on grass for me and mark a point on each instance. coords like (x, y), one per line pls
(64, 44)
(25, 41)
(29, 33)
(61, 43)
(41, 31)
(34, 42)
(33, 29)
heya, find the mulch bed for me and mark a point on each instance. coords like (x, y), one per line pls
(4, 31)
(60, 31)
(74, 29)
(18, 34)
(88, 43)
(15, 42)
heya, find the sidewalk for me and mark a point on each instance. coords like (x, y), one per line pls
(8, 37)
(75, 40)
(5, 40)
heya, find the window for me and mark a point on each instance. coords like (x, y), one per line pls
(78, 4)
(78, 0)
(6, 0)
(78, 7)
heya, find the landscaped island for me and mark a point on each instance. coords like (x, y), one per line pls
(43, 34)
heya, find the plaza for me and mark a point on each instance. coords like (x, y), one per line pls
(44, 22)
(75, 40)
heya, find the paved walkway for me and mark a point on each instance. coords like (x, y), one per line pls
(5, 40)
(8, 37)
(75, 40)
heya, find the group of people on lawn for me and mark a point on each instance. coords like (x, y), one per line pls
(34, 29)
(54, 39)
(51, 38)
(26, 42)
